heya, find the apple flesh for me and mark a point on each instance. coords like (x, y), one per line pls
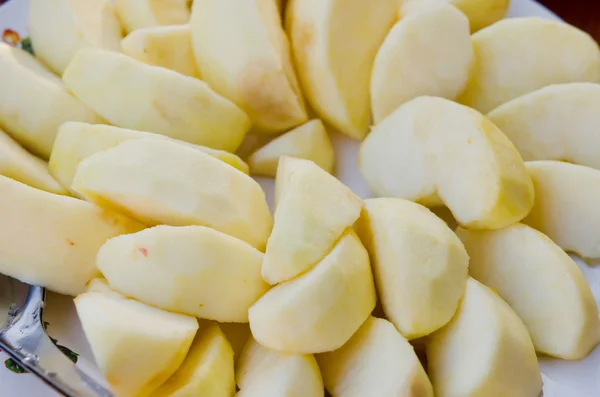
(139, 14)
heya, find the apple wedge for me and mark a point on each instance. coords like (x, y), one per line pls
(519, 55)
(138, 14)
(76, 141)
(459, 159)
(541, 283)
(34, 102)
(163, 182)
(60, 28)
(247, 59)
(192, 270)
(131, 94)
(558, 122)
(484, 351)
(566, 207)
(313, 210)
(18, 164)
(319, 310)
(207, 369)
(334, 44)
(166, 46)
(125, 334)
(52, 240)
(308, 141)
(376, 361)
(426, 53)
(420, 266)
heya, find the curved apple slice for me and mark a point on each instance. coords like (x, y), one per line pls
(519, 55)
(131, 94)
(484, 351)
(166, 46)
(426, 53)
(558, 122)
(459, 158)
(318, 311)
(139, 14)
(126, 334)
(247, 59)
(83, 23)
(566, 206)
(420, 266)
(164, 182)
(334, 44)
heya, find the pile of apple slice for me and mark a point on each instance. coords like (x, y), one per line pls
(125, 181)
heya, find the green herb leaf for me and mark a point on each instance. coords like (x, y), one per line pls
(27, 45)
(11, 365)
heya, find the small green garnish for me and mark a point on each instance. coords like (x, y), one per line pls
(27, 45)
(11, 365)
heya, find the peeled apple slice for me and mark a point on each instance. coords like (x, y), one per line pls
(76, 141)
(309, 141)
(558, 122)
(458, 158)
(313, 210)
(60, 28)
(541, 283)
(164, 182)
(376, 361)
(264, 372)
(207, 369)
(131, 94)
(243, 53)
(138, 14)
(420, 266)
(484, 351)
(52, 240)
(125, 334)
(20, 165)
(426, 53)
(334, 44)
(318, 311)
(192, 270)
(34, 102)
(566, 206)
(519, 55)
(166, 46)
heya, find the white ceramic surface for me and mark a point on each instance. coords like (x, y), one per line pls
(561, 378)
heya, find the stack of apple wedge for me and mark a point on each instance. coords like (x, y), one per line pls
(125, 180)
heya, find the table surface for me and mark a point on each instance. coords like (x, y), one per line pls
(585, 14)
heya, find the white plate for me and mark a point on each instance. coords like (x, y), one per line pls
(561, 378)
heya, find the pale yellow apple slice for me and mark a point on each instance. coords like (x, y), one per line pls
(484, 351)
(426, 53)
(264, 372)
(376, 361)
(457, 158)
(247, 59)
(60, 28)
(318, 311)
(566, 206)
(193, 270)
(420, 266)
(541, 283)
(313, 210)
(558, 122)
(52, 240)
(20, 165)
(334, 44)
(137, 347)
(76, 141)
(308, 141)
(481, 13)
(208, 368)
(34, 102)
(163, 182)
(131, 94)
(519, 55)
(166, 46)
(138, 14)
